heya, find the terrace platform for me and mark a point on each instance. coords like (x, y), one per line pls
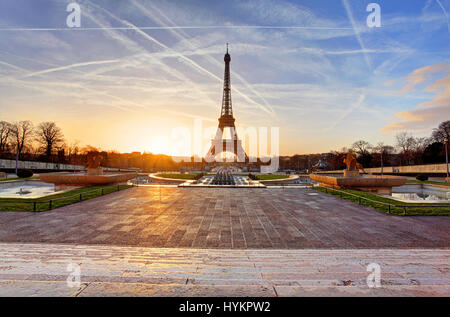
(41, 270)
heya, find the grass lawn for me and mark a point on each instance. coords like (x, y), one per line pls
(266, 177)
(58, 200)
(17, 178)
(397, 207)
(428, 182)
(177, 176)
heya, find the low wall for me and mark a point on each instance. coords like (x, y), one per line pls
(44, 166)
(81, 179)
(163, 180)
(11, 164)
(412, 169)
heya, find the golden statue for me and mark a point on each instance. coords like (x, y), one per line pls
(94, 159)
(352, 164)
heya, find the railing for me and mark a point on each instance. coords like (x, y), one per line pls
(51, 202)
(389, 207)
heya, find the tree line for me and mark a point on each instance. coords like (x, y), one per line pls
(407, 150)
(45, 142)
(20, 137)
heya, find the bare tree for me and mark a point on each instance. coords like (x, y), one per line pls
(411, 148)
(422, 142)
(21, 132)
(404, 145)
(73, 148)
(361, 147)
(49, 136)
(383, 151)
(5, 133)
(442, 132)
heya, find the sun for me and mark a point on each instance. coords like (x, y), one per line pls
(159, 145)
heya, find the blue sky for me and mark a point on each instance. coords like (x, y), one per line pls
(325, 85)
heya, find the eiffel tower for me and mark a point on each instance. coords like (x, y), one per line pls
(226, 120)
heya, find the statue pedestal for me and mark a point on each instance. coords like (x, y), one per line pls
(354, 173)
(95, 171)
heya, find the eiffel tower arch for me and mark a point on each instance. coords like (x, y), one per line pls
(226, 120)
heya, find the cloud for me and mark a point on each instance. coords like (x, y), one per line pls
(302, 64)
(442, 99)
(439, 84)
(422, 75)
(346, 113)
(419, 119)
(429, 113)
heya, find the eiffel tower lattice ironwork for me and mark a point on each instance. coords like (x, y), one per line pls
(226, 120)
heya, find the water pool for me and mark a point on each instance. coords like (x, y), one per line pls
(421, 193)
(26, 189)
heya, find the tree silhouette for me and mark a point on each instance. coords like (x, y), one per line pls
(49, 136)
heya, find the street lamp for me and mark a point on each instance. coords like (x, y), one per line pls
(446, 155)
(382, 162)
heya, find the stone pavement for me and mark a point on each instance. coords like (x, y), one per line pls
(41, 270)
(291, 218)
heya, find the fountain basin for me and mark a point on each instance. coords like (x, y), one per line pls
(423, 193)
(64, 179)
(373, 184)
(162, 180)
(27, 189)
(282, 181)
(208, 182)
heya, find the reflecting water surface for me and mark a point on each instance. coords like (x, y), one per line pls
(419, 197)
(421, 193)
(25, 189)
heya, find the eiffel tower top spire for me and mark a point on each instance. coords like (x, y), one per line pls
(227, 111)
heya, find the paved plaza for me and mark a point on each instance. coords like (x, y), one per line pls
(150, 241)
(290, 218)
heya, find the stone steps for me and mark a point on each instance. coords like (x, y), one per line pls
(41, 270)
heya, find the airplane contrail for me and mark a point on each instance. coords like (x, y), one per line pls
(445, 13)
(181, 56)
(348, 9)
(179, 34)
(180, 27)
(50, 70)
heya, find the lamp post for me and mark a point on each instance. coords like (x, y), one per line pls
(382, 162)
(446, 155)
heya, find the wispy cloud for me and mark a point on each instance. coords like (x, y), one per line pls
(186, 59)
(422, 75)
(66, 67)
(429, 113)
(348, 9)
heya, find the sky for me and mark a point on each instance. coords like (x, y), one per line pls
(135, 71)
